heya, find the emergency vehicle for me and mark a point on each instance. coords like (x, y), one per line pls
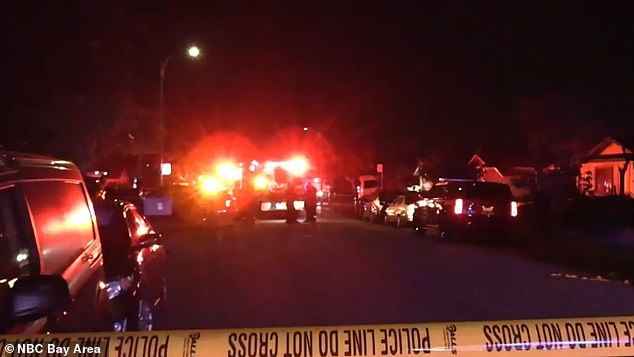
(271, 181)
(228, 188)
(208, 195)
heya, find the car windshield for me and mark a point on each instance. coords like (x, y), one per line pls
(379, 177)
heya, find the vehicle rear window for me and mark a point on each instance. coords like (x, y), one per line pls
(409, 199)
(437, 191)
(481, 190)
(370, 184)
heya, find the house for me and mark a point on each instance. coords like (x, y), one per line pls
(521, 179)
(484, 171)
(607, 168)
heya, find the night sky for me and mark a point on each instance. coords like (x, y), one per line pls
(411, 76)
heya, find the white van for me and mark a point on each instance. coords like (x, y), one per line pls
(368, 186)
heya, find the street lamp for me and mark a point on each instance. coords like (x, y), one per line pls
(192, 52)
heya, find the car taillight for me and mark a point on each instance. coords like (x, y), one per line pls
(457, 209)
(513, 209)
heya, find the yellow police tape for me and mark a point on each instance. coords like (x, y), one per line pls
(609, 336)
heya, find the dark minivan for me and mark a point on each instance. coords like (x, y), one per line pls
(50, 252)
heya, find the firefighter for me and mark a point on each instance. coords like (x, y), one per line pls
(310, 202)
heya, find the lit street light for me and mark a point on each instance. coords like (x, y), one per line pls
(192, 52)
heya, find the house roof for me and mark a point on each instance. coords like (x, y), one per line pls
(625, 141)
(476, 161)
(504, 162)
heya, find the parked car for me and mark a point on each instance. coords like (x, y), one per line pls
(374, 209)
(401, 210)
(458, 207)
(134, 265)
(51, 259)
(367, 188)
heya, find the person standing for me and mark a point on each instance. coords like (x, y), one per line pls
(310, 203)
(248, 200)
(291, 213)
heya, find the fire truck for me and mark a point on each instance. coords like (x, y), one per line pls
(227, 189)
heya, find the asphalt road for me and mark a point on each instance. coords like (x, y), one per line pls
(342, 271)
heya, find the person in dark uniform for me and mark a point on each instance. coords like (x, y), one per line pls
(247, 196)
(291, 213)
(310, 202)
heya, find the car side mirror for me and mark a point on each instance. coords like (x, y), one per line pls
(35, 297)
(148, 240)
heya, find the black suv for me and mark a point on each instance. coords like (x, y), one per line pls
(455, 207)
(134, 265)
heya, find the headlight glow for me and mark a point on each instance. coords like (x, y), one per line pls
(260, 183)
(211, 185)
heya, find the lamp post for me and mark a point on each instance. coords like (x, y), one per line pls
(192, 52)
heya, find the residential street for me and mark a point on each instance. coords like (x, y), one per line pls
(343, 271)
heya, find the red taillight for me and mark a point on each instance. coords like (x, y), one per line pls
(513, 209)
(457, 209)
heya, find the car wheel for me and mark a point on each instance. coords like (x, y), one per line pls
(443, 233)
